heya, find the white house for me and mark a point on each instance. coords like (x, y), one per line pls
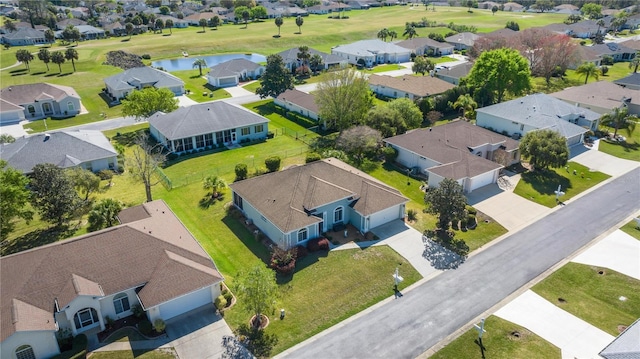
(299, 102)
(120, 85)
(230, 73)
(303, 202)
(372, 52)
(37, 101)
(291, 61)
(150, 259)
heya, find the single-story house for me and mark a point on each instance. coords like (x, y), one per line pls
(463, 40)
(536, 112)
(632, 81)
(559, 28)
(487, 5)
(299, 102)
(150, 259)
(206, 125)
(411, 87)
(24, 36)
(300, 203)
(39, 100)
(586, 54)
(177, 23)
(624, 346)
(372, 52)
(62, 24)
(601, 97)
(115, 29)
(586, 29)
(87, 32)
(568, 9)
(632, 43)
(453, 74)
(230, 73)
(120, 85)
(617, 51)
(291, 61)
(426, 46)
(194, 19)
(512, 6)
(10, 113)
(89, 150)
(457, 150)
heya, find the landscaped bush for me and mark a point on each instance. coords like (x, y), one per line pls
(228, 296)
(105, 174)
(146, 56)
(270, 134)
(172, 156)
(471, 221)
(272, 163)
(137, 310)
(220, 302)
(159, 325)
(389, 153)
(318, 244)
(412, 215)
(301, 252)
(471, 210)
(284, 262)
(312, 157)
(145, 327)
(241, 171)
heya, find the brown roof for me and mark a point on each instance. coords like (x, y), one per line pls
(300, 98)
(417, 85)
(156, 253)
(284, 197)
(23, 94)
(632, 44)
(449, 145)
(603, 94)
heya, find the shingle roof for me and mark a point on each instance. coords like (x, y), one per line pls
(371, 47)
(422, 41)
(157, 253)
(291, 55)
(612, 48)
(633, 79)
(300, 98)
(465, 38)
(23, 33)
(418, 85)
(232, 67)
(63, 149)
(632, 44)
(541, 111)
(626, 345)
(202, 119)
(7, 106)
(601, 94)
(145, 75)
(26, 94)
(283, 197)
(458, 71)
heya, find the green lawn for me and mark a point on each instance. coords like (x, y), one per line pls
(138, 354)
(382, 68)
(198, 86)
(616, 72)
(441, 59)
(500, 343)
(629, 150)
(593, 297)
(539, 186)
(631, 229)
(253, 86)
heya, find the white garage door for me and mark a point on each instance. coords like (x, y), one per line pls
(229, 81)
(384, 216)
(573, 140)
(185, 303)
(482, 180)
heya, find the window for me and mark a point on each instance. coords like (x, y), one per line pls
(302, 235)
(237, 200)
(337, 215)
(258, 128)
(70, 106)
(177, 146)
(208, 139)
(25, 352)
(521, 127)
(200, 141)
(85, 318)
(245, 131)
(121, 303)
(31, 109)
(188, 143)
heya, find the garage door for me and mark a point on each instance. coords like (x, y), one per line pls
(384, 216)
(229, 81)
(482, 180)
(573, 140)
(185, 303)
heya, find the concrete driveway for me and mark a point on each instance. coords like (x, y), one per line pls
(618, 251)
(601, 161)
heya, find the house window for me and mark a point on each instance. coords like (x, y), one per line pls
(188, 143)
(199, 141)
(303, 235)
(258, 128)
(177, 146)
(515, 154)
(25, 352)
(121, 303)
(70, 106)
(245, 131)
(31, 109)
(337, 215)
(237, 200)
(522, 127)
(85, 318)
(208, 139)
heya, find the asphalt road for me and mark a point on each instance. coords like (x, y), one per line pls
(408, 326)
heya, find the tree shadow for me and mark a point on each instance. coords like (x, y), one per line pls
(51, 75)
(18, 71)
(65, 74)
(257, 341)
(125, 40)
(233, 349)
(208, 200)
(545, 181)
(626, 146)
(441, 258)
(35, 239)
(276, 36)
(166, 34)
(38, 73)
(128, 139)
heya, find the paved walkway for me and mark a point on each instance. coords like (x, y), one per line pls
(617, 251)
(237, 91)
(184, 101)
(575, 337)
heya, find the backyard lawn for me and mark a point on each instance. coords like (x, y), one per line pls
(539, 186)
(593, 297)
(631, 229)
(500, 343)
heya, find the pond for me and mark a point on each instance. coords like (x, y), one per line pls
(186, 63)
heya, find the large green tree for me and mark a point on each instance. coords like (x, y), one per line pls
(45, 56)
(299, 22)
(385, 120)
(422, 65)
(409, 113)
(343, 99)
(447, 201)
(71, 54)
(57, 57)
(359, 142)
(14, 197)
(104, 214)
(144, 103)
(257, 289)
(500, 72)
(279, 21)
(276, 79)
(25, 57)
(591, 10)
(53, 195)
(545, 148)
(466, 104)
(620, 119)
(144, 161)
(84, 181)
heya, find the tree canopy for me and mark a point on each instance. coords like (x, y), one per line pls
(147, 156)
(14, 197)
(545, 148)
(422, 65)
(276, 79)
(144, 103)
(447, 201)
(53, 195)
(84, 181)
(343, 99)
(359, 142)
(257, 288)
(104, 214)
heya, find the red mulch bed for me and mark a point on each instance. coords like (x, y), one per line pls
(127, 322)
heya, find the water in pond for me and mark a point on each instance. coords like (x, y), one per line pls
(186, 63)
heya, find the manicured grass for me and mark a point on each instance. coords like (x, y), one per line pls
(499, 343)
(274, 113)
(593, 297)
(350, 280)
(629, 150)
(631, 229)
(253, 86)
(198, 86)
(138, 354)
(616, 71)
(441, 59)
(539, 186)
(382, 68)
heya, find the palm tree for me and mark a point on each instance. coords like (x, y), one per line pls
(316, 62)
(635, 63)
(410, 32)
(58, 58)
(392, 35)
(159, 25)
(215, 184)
(245, 16)
(169, 25)
(299, 22)
(588, 69)
(600, 24)
(279, 22)
(71, 54)
(383, 34)
(199, 63)
(25, 57)
(466, 104)
(45, 56)
(620, 119)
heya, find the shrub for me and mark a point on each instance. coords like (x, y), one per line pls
(228, 296)
(220, 302)
(172, 156)
(412, 215)
(145, 327)
(318, 244)
(471, 221)
(272, 163)
(137, 310)
(301, 252)
(389, 153)
(604, 70)
(105, 174)
(146, 56)
(312, 157)
(270, 134)
(159, 325)
(284, 262)
(241, 171)
(471, 210)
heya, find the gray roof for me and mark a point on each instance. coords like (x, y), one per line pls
(416, 42)
(30, 93)
(371, 47)
(626, 345)
(63, 149)
(23, 33)
(633, 79)
(202, 119)
(465, 38)
(232, 67)
(612, 48)
(603, 94)
(291, 55)
(456, 72)
(542, 111)
(144, 74)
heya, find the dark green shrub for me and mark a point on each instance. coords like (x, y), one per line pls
(172, 156)
(105, 174)
(312, 157)
(220, 302)
(471, 210)
(146, 56)
(241, 171)
(228, 296)
(270, 134)
(159, 325)
(137, 310)
(412, 215)
(145, 327)
(389, 153)
(272, 163)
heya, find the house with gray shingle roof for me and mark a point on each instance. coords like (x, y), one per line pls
(537, 112)
(120, 85)
(426, 46)
(624, 346)
(618, 52)
(408, 86)
(290, 58)
(299, 102)
(463, 40)
(601, 97)
(230, 73)
(458, 150)
(207, 125)
(38, 100)
(453, 74)
(300, 203)
(372, 52)
(23, 36)
(150, 259)
(90, 150)
(632, 81)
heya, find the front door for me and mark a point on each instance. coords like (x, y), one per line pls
(46, 108)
